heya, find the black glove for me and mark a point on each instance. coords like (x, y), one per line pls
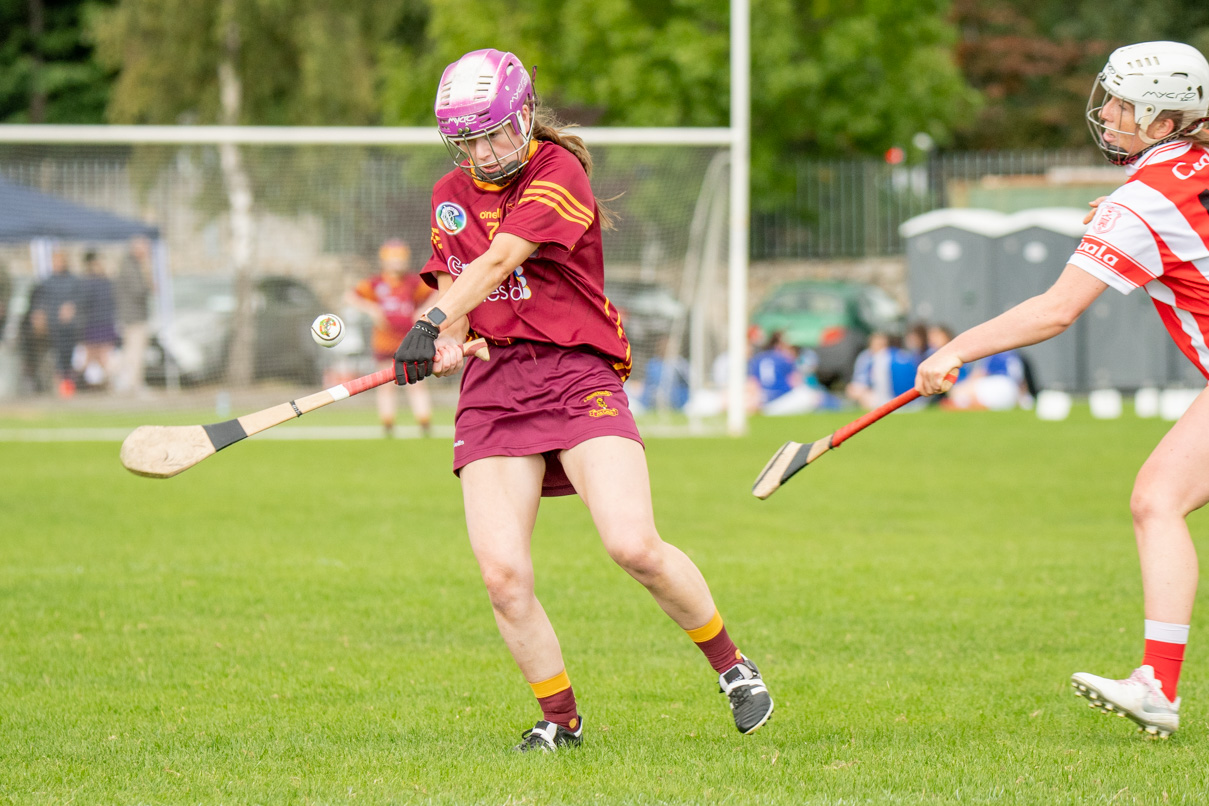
(413, 359)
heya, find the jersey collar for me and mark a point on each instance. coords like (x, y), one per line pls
(1160, 153)
(493, 188)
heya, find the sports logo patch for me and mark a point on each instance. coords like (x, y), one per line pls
(451, 217)
(1106, 219)
(602, 405)
(1104, 253)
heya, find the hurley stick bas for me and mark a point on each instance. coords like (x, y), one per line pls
(793, 456)
(162, 451)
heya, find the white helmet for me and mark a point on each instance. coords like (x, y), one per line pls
(1154, 77)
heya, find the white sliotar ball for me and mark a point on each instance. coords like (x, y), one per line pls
(327, 330)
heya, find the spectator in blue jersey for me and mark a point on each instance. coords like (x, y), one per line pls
(882, 371)
(994, 383)
(664, 383)
(777, 383)
(771, 372)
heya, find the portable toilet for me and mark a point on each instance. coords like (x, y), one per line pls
(1034, 250)
(1180, 371)
(951, 256)
(1127, 346)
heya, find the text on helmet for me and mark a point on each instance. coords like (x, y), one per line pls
(1170, 96)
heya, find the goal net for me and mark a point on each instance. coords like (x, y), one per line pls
(240, 245)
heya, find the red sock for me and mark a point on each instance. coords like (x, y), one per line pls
(712, 639)
(1166, 659)
(557, 700)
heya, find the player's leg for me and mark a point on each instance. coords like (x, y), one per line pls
(610, 475)
(1173, 482)
(501, 495)
(420, 399)
(386, 401)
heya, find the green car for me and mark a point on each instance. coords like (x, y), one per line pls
(831, 317)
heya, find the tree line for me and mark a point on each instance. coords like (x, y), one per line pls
(828, 78)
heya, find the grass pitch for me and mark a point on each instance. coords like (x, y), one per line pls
(292, 622)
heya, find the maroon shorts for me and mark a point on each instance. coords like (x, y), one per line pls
(533, 398)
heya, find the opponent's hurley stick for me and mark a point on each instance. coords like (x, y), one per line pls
(793, 456)
(162, 451)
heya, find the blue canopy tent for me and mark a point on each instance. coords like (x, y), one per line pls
(28, 214)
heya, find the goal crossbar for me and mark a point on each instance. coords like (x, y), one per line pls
(326, 135)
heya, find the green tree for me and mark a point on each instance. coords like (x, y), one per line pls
(47, 70)
(824, 82)
(1036, 61)
(303, 62)
(269, 62)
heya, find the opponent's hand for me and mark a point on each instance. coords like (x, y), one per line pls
(449, 358)
(414, 358)
(1093, 204)
(930, 378)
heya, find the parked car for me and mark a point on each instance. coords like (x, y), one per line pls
(199, 339)
(833, 318)
(648, 310)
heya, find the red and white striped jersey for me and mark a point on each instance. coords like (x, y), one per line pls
(1153, 233)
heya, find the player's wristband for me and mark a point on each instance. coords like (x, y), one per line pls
(429, 329)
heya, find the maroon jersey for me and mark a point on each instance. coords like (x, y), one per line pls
(398, 299)
(557, 295)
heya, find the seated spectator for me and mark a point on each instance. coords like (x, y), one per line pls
(777, 385)
(996, 383)
(664, 384)
(915, 340)
(882, 371)
(938, 336)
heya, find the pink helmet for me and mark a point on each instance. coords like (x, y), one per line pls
(478, 95)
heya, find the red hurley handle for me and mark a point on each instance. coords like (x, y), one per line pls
(861, 423)
(358, 385)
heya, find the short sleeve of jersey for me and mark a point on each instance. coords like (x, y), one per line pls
(556, 205)
(1119, 248)
(435, 262)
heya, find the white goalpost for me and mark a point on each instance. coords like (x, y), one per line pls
(311, 204)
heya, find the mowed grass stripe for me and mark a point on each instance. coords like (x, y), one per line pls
(297, 622)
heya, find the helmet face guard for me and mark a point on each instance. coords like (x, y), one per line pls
(1151, 78)
(480, 109)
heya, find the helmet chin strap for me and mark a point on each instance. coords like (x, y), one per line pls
(499, 176)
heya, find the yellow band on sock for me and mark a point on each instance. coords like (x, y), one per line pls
(707, 632)
(548, 688)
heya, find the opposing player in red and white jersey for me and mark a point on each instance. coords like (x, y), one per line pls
(517, 258)
(1148, 111)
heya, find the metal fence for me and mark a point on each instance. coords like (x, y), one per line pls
(853, 208)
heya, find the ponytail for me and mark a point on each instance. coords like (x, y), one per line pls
(552, 130)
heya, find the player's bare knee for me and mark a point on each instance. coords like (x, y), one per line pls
(641, 558)
(507, 588)
(1149, 503)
